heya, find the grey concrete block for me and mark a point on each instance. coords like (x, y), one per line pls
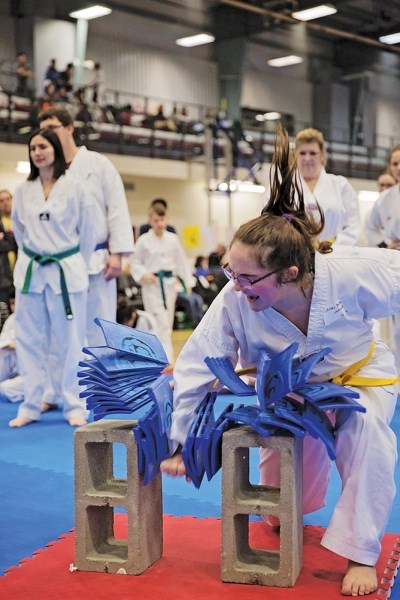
(239, 562)
(98, 493)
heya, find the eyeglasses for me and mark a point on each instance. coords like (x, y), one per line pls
(242, 279)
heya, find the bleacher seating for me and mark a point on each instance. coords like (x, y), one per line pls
(121, 129)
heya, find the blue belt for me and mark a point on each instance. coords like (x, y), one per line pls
(101, 246)
(44, 260)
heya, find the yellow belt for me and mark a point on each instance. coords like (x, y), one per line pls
(349, 377)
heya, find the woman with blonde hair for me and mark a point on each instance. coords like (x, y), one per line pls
(333, 193)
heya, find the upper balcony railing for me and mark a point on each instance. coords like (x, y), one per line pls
(131, 124)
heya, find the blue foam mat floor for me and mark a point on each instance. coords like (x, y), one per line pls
(37, 486)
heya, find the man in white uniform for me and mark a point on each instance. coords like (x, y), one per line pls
(114, 233)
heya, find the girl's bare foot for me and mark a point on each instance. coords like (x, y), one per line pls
(174, 466)
(20, 422)
(77, 421)
(360, 580)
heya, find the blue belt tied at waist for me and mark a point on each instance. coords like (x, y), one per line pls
(44, 260)
(168, 274)
(101, 246)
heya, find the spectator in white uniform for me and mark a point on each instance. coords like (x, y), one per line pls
(112, 222)
(333, 193)
(382, 229)
(53, 226)
(385, 181)
(11, 384)
(283, 291)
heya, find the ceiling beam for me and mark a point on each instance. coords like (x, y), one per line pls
(361, 39)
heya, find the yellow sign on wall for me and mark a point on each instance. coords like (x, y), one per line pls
(191, 236)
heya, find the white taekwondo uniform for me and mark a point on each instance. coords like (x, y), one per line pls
(155, 254)
(49, 227)
(382, 224)
(112, 225)
(339, 202)
(352, 287)
(11, 384)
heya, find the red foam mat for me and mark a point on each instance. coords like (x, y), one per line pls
(188, 569)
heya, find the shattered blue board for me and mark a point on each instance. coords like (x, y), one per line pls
(126, 375)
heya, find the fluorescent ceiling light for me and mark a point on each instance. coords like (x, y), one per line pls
(285, 61)
(393, 38)
(23, 166)
(272, 116)
(316, 12)
(195, 40)
(367, 196)
(92, 12)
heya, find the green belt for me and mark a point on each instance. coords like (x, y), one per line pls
(44, 260)
(168, 274)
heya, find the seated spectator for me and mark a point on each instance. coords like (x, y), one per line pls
(62, 94)
(215, 261)
(157, 202)
(11, 384)
(205, 285)
(159, 121)
(129, 315)
(192, 306)
(201, 266)
(48, 97)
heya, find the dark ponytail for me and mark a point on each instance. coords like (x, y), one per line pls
(287, 195)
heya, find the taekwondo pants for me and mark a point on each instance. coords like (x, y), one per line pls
(101, 302)
(366, 456)
(44, 336)
(164, 317)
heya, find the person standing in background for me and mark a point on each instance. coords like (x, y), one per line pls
(333, 193)
(53, 226)
(24, 75)
(98, 84)
(112, 222)
(382, 229)
(144, 228)
(385, 181)
(158, 261)
(52, 75)
(8, 246)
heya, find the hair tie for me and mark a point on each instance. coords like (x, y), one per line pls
(287, 217)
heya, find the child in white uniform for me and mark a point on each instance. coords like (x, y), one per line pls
(281, 292)
(157, 262)
(53, 227)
